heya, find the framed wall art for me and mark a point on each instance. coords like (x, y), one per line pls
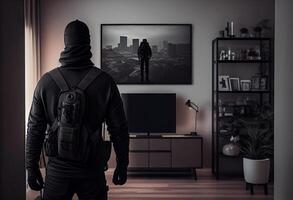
(147, 53)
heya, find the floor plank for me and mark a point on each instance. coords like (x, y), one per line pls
(180, 188)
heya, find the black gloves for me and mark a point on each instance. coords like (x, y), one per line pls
(35, 179)
(120, 175)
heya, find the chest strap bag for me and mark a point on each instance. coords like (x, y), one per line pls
(68, 137)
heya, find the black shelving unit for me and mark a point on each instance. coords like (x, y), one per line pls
(221, 164)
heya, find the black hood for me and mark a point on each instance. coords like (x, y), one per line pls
(77, 51)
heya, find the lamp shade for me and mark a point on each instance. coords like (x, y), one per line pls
(188, 103)
(191, 105)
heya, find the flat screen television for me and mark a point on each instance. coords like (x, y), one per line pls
(150, 112)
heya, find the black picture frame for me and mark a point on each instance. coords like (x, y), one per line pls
(224, 83)
(234, 84)
(169, 70)
(245, 85)
(255, 83)
(263, 83)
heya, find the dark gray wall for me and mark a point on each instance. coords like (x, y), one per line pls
(12, 173)
(283, 100)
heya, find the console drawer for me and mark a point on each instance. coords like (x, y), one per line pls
(160, 160)
(160, 144)
(138, 159)
(138, 144)
(187, 153)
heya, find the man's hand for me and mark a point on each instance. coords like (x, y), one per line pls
(120, 175)
(35, 179)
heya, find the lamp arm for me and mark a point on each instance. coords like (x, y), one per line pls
(194, 106)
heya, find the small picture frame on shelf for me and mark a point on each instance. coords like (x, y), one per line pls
(255, 83)
(235, 84)
(239, 110)
(228, 111)
(223, 83)
(263, 83)
(245, 85)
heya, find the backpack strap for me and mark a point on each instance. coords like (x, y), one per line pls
(89, 78)
(59, 79)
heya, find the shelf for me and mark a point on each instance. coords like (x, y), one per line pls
(244, 92)
(241, 39)
(245, 117)
(225, 117)
(242, 61)
(230, 157)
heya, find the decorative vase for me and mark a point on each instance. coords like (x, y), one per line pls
(256, 171)
(231, 149)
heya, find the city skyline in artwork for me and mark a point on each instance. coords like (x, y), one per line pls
(156, 35)
(170, 61)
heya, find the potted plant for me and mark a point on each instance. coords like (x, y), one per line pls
(257, 148)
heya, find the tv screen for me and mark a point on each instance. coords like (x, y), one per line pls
(150, 113)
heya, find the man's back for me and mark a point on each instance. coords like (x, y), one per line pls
(103, 103)
(98, 101)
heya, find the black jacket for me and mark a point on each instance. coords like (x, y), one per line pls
(144, 51)
(44, 111)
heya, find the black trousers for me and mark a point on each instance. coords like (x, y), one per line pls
(144, 66)
(60, 188)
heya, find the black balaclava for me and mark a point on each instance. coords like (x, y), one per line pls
(77, 52)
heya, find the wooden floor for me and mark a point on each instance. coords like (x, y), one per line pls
(181, 188)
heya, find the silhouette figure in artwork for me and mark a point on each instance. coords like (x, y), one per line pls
(144, 53)
(223, 83)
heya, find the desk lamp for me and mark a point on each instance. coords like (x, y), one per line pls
(195, 107)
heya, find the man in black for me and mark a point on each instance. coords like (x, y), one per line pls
(144, 53)
(64, 178)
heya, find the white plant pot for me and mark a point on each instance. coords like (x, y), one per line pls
(256, 171)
